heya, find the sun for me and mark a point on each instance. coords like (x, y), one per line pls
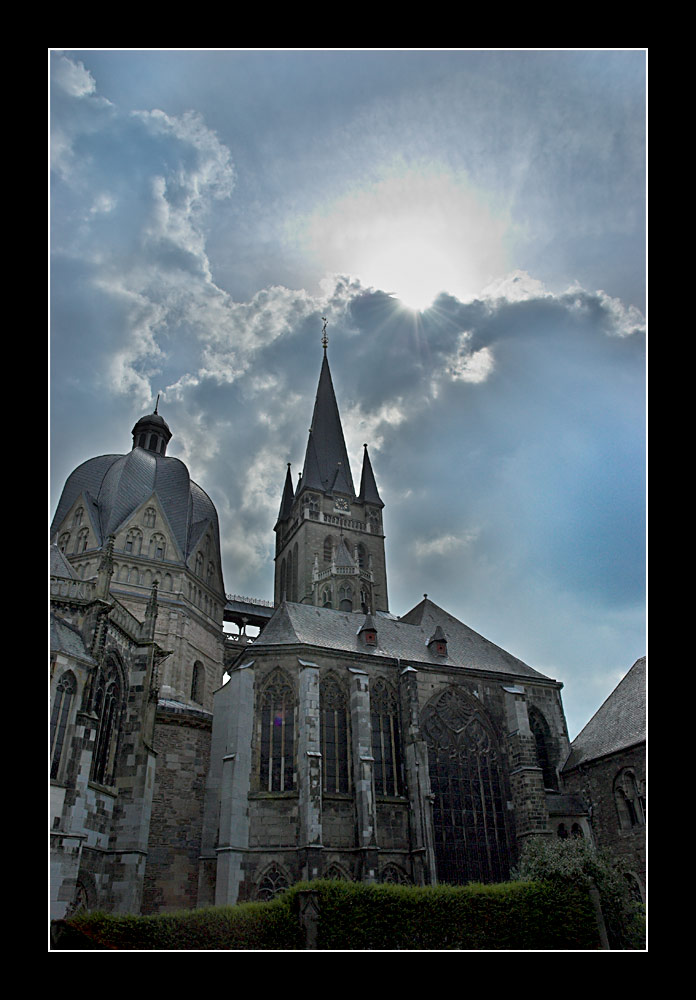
(414, 234)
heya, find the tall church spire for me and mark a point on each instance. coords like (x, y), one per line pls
(368, 486)
(326, 459)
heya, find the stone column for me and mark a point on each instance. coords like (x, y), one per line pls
(526, 777)
(228, 785)
(417, 782)
(309, 773)
(363, 767)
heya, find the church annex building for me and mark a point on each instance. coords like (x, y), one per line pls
(189, 767)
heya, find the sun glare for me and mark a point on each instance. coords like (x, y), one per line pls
(413, 235)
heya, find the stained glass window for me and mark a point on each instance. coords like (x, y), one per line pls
(277, 735)
(335, 736)
(386, 739)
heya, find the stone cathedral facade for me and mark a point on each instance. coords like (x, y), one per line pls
(190, 768)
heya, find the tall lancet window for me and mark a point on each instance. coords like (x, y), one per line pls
(108, 706)
(335, 742)
(542, 738)
(386, 739)
(60, 717)
(277, 722)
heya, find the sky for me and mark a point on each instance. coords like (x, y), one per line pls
(471, 223)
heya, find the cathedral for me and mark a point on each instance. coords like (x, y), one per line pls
(191, 767)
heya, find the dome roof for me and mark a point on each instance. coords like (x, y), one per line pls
(114, 486)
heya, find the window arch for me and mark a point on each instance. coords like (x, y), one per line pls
(81, 540)
(345, 597)
(295, 574)
(277, 738)
(386, 739)
(273, 881)
(362, 556)
(326, 600)
(629, 803)
(469, 799)
(77, 517)
(60, 717)
(335, 742)
(283, 592)
(542, 739)
(150, 517)
(328, 548)
(134, 541)
(108, 706)
(64, 541)
(158, 546)
(198, 682)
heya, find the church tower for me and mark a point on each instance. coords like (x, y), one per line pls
(330, 539)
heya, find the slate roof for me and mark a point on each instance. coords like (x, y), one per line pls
(65, 638)
(405, 638)
(617, 725)
(326, 465)
(114, 486)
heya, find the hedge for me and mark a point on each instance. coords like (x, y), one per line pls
(355, 916)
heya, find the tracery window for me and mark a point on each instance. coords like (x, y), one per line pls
(150, 517)
(60, 717)
(277, 742)
(542, 738)
(374, 520)
(199, 564)
(108, 706)
(362, 556)
(386, 739)
(64, 541)
(326, 598)
(629, 804)
(394, 875)
(328, 548)
(77, 517)
(466, 778)
(345, 597)
(273, 882)
(81, 541)
(335, 741)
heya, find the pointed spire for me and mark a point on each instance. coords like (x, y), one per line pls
(326, 446)
(288, 497)
(368, 486)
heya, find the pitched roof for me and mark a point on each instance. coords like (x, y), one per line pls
(618, 724)
(67, 638)
(402, 638)
(368, 486)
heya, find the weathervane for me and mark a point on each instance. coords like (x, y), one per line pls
(324, 338)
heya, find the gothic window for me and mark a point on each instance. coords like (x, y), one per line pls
(81, 541)
(345, 597)
(167, 582)
(108, 706)
(466, 778)
(386, 739)
(273, 882)
(77, 517)
(628, 801)
(374, 521)
(335, 736)
(153, 443)
(142, 437)
(542, 739)
(295, 572)
(210, 574)
(337, 873)
(362, 556)
(283, 595)
(288, 578)
(199, 564)
(394, 875)
(63, 541)
(157, 546)
(364, 602)
(328, 548)
(150, 517)
(60, 717)
(326, 598)
(561, 831)
(576, 831)
(134, 541)
(311, 502)
(277, 743)
(198, 682)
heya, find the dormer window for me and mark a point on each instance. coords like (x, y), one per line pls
(368, 631)
(437, 643)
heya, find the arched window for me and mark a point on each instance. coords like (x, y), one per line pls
(153, 443)
(629, 804)
(63, 541)
(134, 541)
(326, 601)
(561, 831)
(158, 546)
(335, 742)
(328, 548)
(81, 541)
(150, 517)
(386, 739)
(108, 706)
(288, 578)
(394, 875)
(362, 556)
(542, 738)
(576, 831)
(345, 597)
(199, 564)
(60, 717)
(198, 682)
(283, 592)
(295, 574)
(210, 574)
(277, 741)
(77, 517)
(274, 881)
(469, 799)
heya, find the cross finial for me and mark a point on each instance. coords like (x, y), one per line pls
(157, 403)
(324, 338)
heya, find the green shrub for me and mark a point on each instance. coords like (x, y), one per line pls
(575, 862)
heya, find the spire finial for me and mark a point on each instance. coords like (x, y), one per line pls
(157, 403)
(324, 338)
